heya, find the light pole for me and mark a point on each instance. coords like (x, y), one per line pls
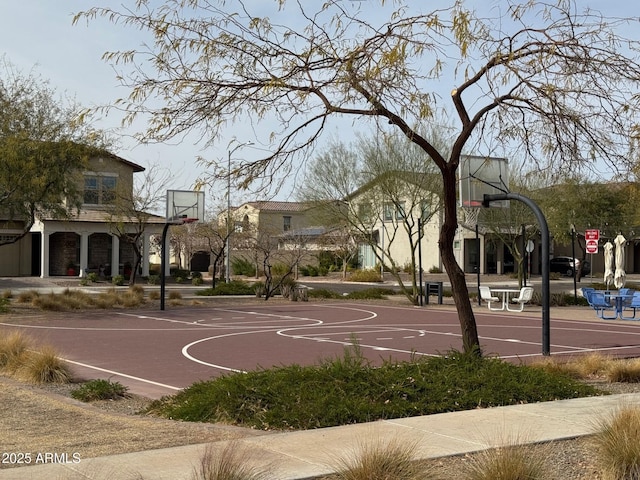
(228, 242)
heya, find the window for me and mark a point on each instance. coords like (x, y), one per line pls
(287, 224)
(425, 210)
(99, 189)
(391, 210)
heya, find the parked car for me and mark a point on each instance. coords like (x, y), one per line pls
(567, 266)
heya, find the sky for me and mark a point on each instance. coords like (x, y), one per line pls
(39, 35)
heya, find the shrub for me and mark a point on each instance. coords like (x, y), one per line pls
(242, 266)
(43, 366)
(378, 459)
(617, 444)
(435, 269)
(304, 270)
(117, 280)
(153, 279)
(235, 287)
(370, 293)
(287, 284)
(510, 462)
(232, 463)
(12, 346)
(366, 275)
(174, 295)
(92, 277)
(7, 294)
(349, 390)
(155, 295)
(323, 293)
(197, 280)
(280, 270)
(4, 305)
(100, 390)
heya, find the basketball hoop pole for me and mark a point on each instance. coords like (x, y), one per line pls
(544, 233)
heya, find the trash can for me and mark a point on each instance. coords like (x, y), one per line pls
(433, 288)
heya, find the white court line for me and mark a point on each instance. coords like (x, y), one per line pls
(124, 375)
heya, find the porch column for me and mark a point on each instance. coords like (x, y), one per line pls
(145, 253)
(44, 254)
(84, 254)
(115, 255)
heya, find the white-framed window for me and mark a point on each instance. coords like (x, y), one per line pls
(391, 210)
(99, 189)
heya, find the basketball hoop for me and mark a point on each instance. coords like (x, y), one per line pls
(470, 217)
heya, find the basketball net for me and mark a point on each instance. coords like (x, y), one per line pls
(470, 217)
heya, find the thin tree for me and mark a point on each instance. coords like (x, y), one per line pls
(129, 214)
(553, 83)
(44, 147)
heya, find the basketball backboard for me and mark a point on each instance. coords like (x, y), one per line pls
(480, 175)
(185, 206)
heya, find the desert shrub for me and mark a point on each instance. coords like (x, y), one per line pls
(174, 295)
(510, 462)
(617, 444)
(232, 463)
(435, 269)
(280, 269)
(197, 281)
(27, 297)
(366, 275)
(4, 304)
(43, 366)
(624, 371)
(117, 280)
(287, 284)
(153, 279)
(7, 294)
(154, 295)
(12, 346)
(100, 390)
(380, 459)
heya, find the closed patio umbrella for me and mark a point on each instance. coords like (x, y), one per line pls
(608, 264)
(619, 277)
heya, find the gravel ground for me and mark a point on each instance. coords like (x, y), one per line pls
(41, 419)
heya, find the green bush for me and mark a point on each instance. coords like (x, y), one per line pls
(323, 293)
(435, 269)
(153, 279)
(117, 280)
(235, 287)
(349, 389)
(280, 270)
(4, 305)
(242, 266)
(366, 275)
(197, 280)
(370, 293)
(100, 390)
(92, 277)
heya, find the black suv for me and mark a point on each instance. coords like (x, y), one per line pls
(568, 265)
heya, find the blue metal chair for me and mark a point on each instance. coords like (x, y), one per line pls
(634, 305)
(599, 303)
(586, 291)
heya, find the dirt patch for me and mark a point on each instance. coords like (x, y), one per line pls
(44, 420)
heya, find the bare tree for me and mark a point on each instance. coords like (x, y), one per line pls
(555, 83)
(131, 210)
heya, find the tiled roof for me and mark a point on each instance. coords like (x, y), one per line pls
(273, 206)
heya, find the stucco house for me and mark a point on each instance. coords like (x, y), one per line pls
(86, 241)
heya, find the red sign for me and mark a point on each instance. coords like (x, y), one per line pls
(593, 234)
(592, 246)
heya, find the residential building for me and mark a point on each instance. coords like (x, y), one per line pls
(86, 241)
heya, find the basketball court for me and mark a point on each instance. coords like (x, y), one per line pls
(157, 353)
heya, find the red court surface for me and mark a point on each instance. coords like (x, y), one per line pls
(157, 352)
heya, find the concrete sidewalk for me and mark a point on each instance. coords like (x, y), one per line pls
(312, 453)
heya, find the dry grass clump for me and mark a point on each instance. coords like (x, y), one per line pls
(28, 296)
(232, 463)
(7, 294)
(381, 460)
(21, 358)
(72, 299)
(588, 366)
(617, 445)
(43, 366)
(175, 295)
(13, 346)
(510, 462)
(627, 370)
(154, 295)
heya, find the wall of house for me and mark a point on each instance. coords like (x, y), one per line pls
(107, 165)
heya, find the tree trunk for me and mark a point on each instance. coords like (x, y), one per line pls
(470, 341)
